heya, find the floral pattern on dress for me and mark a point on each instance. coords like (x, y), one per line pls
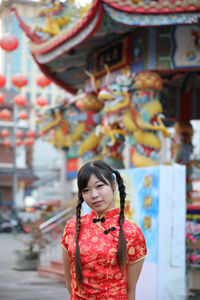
(102, 278)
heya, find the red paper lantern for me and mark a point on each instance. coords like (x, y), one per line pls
(7, 143)
(31, 134)
(41, 101)
(18, 142)
(23, 115)
(20, 100)
(2, 81)
(19, 134)
(5, 133)
(42, 80)
(29, 142)
(41, 133)
(9, 42)
(19, 80)
(79, 104)
(2, 98)
(5, 114)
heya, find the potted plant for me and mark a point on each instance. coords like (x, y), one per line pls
(35, 240)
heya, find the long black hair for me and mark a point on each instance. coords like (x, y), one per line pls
(107, 175)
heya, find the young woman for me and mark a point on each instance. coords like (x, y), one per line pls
(103, 253)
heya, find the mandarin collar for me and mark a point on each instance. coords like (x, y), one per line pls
(109, 214)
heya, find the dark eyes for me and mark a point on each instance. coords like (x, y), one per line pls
(99, 186)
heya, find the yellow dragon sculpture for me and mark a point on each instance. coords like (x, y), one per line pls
(56, 128)
(84, 130)
(133, 103)
(128, 108)
(57, 15)
(146, 111)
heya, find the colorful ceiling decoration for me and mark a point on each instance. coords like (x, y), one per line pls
(69, 34)
(153, 19)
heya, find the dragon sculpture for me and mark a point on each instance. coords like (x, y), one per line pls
(127, 110)
(74, 124)
(132, 107)
(116, 118)
(56, 15)
(146, 110)
(82, 126)
(55, 127)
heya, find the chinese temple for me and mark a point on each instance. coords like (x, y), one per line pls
(134, 46)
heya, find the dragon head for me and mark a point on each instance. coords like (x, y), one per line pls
(90, 102)
(116, 96)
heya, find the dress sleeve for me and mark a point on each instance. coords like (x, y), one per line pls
(136, 246)
(65, 236)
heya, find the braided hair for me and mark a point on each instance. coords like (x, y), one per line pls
(107, 175)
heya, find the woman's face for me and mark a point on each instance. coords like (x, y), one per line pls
(98, 195)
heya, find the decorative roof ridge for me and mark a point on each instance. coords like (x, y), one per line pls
(153, 7)
(27, 29)
(67, 33)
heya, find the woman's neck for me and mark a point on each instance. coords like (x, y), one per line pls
(100, 215)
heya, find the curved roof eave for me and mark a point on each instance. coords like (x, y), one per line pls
(68, 33)
(57, 81)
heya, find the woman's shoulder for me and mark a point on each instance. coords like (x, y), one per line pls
(131, 228)
(71, 223)
(136, 244)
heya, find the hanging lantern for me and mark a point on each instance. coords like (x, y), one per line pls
(7, 143)
(41, 133)
(5, 114)
(79, 104)
(5, 133)
(31, 134)
(29, 142)
(43, 80)
(23, 115)
(19, 134)
(2, 81)
(18, 142)
(20, 100)
(19, 80)
(2, 98)
(8, 42)
(42, 101)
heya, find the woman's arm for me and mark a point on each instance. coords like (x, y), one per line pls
(66, 264)
(133, 273)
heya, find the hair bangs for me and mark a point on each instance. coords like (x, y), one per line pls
(87, 170)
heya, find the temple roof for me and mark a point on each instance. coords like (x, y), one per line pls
(69, 35)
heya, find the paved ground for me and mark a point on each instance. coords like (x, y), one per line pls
(24, 285)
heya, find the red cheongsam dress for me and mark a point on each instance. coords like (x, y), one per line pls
(98, 238)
